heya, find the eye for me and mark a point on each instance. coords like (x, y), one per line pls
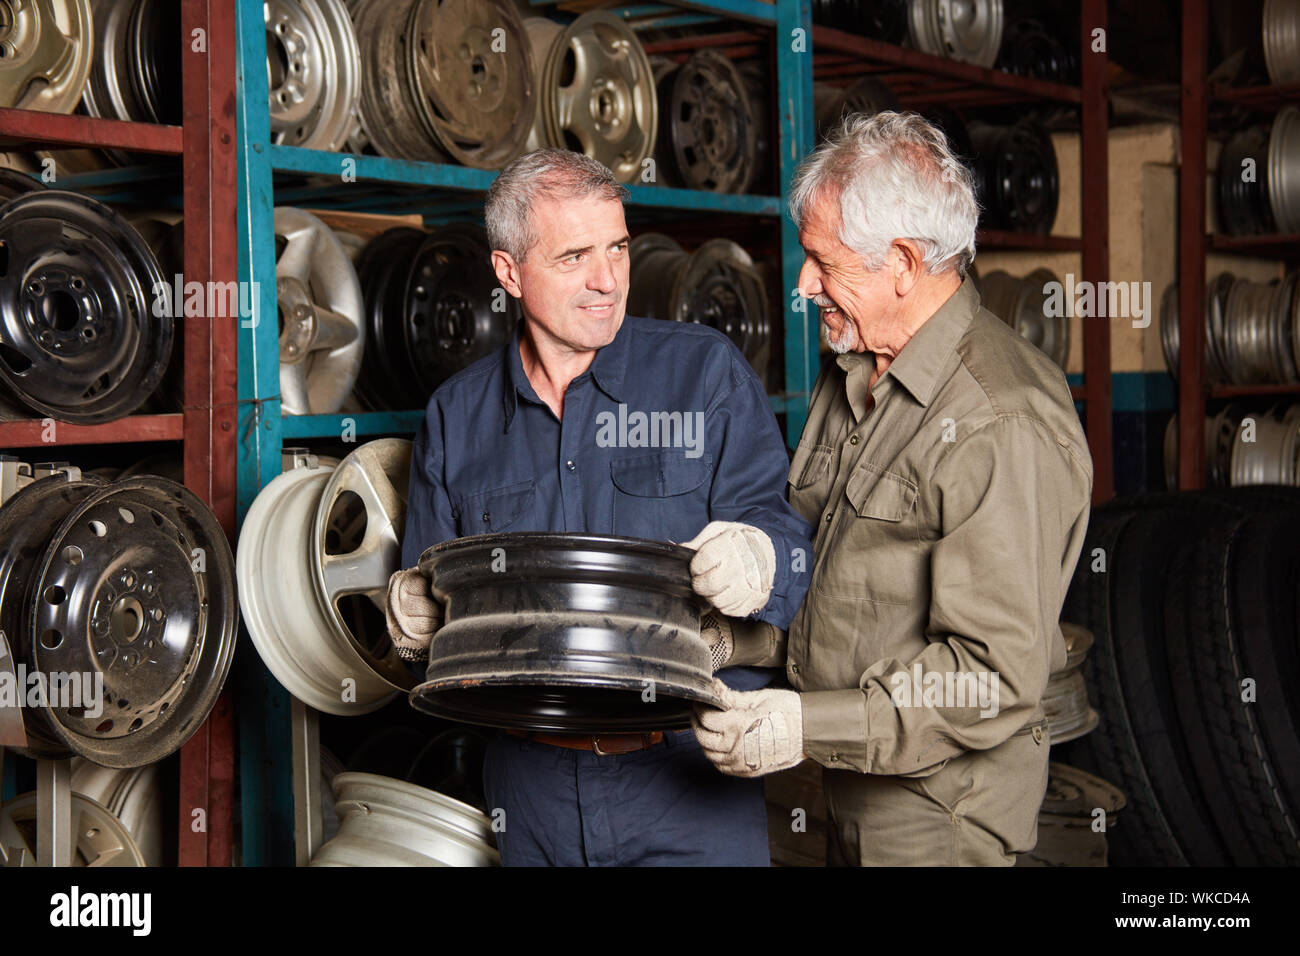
(573, 259)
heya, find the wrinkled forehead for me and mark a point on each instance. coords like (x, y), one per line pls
(556, 218)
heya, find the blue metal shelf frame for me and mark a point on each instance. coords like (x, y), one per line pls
(264, 735)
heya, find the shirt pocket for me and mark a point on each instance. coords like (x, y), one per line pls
(497, 509)
(663, 496)
(874, 552)
(810, 478)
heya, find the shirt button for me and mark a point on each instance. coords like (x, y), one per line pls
(853, 440)
(828, 518)
(570, 465)
(486, 517)
(835, 756)
(794, 668)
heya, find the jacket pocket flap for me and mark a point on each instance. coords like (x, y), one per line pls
(880, 494)
(499, 507)
(660, 475)
(809, 464)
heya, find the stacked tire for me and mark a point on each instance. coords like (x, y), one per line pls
(1193, 600)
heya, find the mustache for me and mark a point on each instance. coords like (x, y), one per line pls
(824, 301)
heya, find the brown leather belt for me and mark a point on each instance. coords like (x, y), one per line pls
(604, 745)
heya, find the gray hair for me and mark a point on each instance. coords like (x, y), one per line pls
(896, 178)
(542, 174)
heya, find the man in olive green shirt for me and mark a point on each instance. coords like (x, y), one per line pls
(947, 474)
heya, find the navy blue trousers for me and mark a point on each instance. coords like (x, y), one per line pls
(665, 806)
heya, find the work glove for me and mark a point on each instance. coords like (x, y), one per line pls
(412, 613)
(757, 732)
(735, 642)
(733, 567)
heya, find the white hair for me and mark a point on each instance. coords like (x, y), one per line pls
(896, 178)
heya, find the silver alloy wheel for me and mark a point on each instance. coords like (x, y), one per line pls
(597, 91)
(101, 839)
(965, 30)
(313, 72)
(133, 796)
(387, 822)
(287, 560)
(322, 329)
(45, 53)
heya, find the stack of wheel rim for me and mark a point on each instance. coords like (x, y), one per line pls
(1022, 304)
(1258, 178)
(315, 554)
(432, 308)
(1252, 330)
(708, 136)
(1017, 176)
(965, 30)
(1195, 618)
(596, 92)
(445, 78)
(86, 318)
(1029, 49)
(124, 594)
(313, 73)
(717, 285)
(387, 822)
(133, 796)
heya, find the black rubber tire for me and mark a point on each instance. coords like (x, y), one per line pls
(1144, 835)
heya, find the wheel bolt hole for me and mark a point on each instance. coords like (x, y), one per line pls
(72, 555)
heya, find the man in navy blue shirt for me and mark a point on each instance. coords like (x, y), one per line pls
(594, 421)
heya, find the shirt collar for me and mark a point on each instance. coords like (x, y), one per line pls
(920, 362)
(608, 370)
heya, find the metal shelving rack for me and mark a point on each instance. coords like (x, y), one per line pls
(1193, 241)
(205, 144)
(274, 733)
(921, 80)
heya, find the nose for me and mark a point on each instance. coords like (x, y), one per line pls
(602, 277)
(809, 282)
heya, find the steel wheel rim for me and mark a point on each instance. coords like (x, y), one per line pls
(476, 101)
(102, 840)
(80, 337)
(388, 113)
(387, 378)
(156, 633)
(720, 288)
(321, 315)
(1169, 327)
(313, 72)
(966, 30)
(608, 107)
(47, 53)
(712, 130)
(449, 321)
(387, 822)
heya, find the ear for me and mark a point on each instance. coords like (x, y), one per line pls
(508, 272)
(906, 264)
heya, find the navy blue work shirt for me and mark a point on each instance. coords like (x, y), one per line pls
(667, 430)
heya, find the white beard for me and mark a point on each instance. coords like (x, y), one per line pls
(847, 340)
